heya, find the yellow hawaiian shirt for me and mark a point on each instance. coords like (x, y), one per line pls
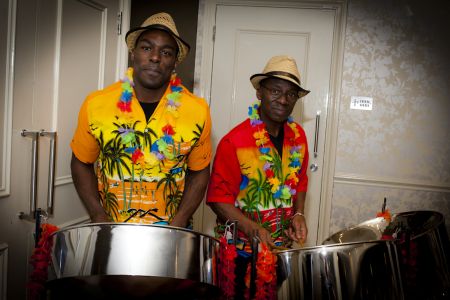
(141, 164)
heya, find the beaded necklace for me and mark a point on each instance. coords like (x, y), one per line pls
(280, 190)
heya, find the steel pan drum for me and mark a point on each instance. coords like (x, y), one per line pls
(424, 254)
(370, 230)
(342, 271)
(131, 261)
(423, 250)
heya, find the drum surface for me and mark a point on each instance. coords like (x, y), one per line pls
(117, 260)
(370, 230)
(342, 271)
(424, 254)
(423, 250)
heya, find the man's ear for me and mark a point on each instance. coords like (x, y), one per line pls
(259, 93)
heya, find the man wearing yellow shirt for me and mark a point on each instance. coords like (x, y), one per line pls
(142, 148)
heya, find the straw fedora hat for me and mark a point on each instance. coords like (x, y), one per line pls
(282, 67)
(161, 21)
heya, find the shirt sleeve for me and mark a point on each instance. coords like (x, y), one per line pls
(200, 155)
(225, 176)
(303, 177)
(84, 145)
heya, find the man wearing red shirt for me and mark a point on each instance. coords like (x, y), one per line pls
(259, 173)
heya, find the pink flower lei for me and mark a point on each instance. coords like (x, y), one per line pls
(280, 190)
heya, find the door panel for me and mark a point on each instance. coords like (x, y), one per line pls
(242, 47)
(64, 50)
(87, 62)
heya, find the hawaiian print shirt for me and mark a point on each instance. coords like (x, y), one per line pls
(238, 178)
(141, 164)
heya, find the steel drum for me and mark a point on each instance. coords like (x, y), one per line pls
(131, 261)
(370, 230)
(424, 254)
(423, 250)
(347, 271)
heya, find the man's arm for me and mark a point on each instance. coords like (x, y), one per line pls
(194, 190)
(226, 211)
(85, 181)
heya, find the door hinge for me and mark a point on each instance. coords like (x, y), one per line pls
(119, 23)
(214, 33)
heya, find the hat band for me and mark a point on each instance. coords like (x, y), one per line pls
(161, 27)
(286, 74)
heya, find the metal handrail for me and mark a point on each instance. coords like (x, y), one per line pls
(31, 216)
(34, 168)
(316, 134)
(51, 169)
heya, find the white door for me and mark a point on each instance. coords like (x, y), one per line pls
(245, 38)
(59, 52)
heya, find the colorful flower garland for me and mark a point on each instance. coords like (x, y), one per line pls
(40, 259)
(160, 148)
(279, 190)
(266, 275)
(227, 267)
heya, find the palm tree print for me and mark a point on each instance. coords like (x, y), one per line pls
(131, 139)
(113, 159)
(261, 189)
(171, 192)
(197, 133)
(258, 195)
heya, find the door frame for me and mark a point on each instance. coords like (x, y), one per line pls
(5, 143)
(203, 77)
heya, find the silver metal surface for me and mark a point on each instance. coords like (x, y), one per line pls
(51, 169)
(370, 230)
(316, 133)
(349, 271)
(108, 259)
(424, 250)
(313, 167)
(34, 165)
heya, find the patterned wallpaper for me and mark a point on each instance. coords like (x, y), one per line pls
(396, 52)
(354, 204)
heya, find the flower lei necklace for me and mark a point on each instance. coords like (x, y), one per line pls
(279, 190)
(40, 259)
(266, 275)
(160, 148)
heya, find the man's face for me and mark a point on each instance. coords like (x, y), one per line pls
(278, 98)
(154, 59)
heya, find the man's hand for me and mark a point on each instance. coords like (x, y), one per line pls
(261, 233)
(297, 231)
(227, 211)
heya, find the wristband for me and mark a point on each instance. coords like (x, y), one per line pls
(298, 214)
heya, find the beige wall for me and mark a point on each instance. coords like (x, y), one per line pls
(398, 53)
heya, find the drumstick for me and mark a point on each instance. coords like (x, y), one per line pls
(153, 215)
(131, 216)
(275, 247)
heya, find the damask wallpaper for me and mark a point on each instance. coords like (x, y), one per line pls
(396, 52)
